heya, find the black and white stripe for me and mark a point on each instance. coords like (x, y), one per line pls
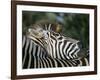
(35, 56)
(29, 50)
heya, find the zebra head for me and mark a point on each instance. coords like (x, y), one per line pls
(38, 34)
(41, 29)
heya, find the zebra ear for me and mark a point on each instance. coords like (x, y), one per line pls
(29, 30)
(59, 28)
(82, 53)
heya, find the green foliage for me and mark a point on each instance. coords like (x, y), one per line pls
(74, 25)
(78, 27)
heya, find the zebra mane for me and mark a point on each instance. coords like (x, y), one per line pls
(40, 42)
(48, 25)
(36, 40)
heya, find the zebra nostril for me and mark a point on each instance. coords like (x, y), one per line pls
(82, 53)
(79, 44)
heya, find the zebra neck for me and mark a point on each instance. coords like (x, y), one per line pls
(38, 41)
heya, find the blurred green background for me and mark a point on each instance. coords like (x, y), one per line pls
(74, 25)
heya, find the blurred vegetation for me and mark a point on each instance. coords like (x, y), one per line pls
(75, 25)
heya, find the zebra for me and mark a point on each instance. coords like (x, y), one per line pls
(35, 56)
(57, 45)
